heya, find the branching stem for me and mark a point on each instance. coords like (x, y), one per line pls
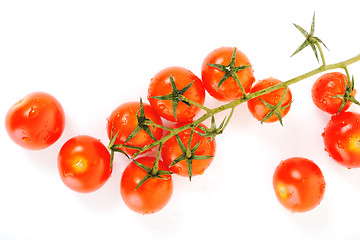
(232, 105)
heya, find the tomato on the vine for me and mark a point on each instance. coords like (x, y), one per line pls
(123, 121)
(36, 121)
(84, 164)
(229, 88)
(342, 138)
(152, 195)
(167, 89)
(328, 89)
(198, 156)
(272, 106)
(299, 184)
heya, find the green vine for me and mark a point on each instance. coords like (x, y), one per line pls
(213, 131)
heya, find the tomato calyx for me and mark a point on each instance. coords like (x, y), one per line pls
(188, 153)
(143, 124)
(313, 42)
(154, 171)
(175, 96)
(275, 109)
(230, 70)
(349, 89)
(213, 131)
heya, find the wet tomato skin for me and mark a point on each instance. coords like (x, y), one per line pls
(299, 184)
(230, 89)
(341, 138)
(36, 121)
(324, 90)
(153, 195)
(84, 164)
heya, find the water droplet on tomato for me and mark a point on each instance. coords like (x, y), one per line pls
(25, 139)
(162, 106)
(44, 136)
(340, 145)
(33, 113)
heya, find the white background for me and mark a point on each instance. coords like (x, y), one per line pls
(94, 55)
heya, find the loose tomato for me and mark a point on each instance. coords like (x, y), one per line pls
(326, 89)
(151, 196)
(211, 76)
(36, 121)
(299, 184)
(199, 158)
(342, 138)
(272, 106)
(84, 164)
(123, 120)
(165, 98)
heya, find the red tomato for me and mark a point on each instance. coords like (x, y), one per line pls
(36, 121)
(153, 195)
(325, 89)
(299, 184)
(259, 110)
(160, 85)
(123, 120)
(342, 139)
(171, 151)
(211, 76)
(84, 164)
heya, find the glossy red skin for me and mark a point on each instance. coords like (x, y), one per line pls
(258, 109)
(342, 139)
(123, 121)
(160, 85)
(211, 76)
(153, 195)
(299, 184)
(171, 150)
(325, 88)
(84, 164)
(36, 121)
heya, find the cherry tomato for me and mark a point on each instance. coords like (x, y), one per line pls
(259, 110)
(123, 120)
(160, 85)
(342, 138)
(325, 89)
(36, 121)
(229, 90)
(171, 150)
(153, 195)
(84, 164)
(299, 184)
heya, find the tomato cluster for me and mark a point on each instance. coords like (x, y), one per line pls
(185, 146)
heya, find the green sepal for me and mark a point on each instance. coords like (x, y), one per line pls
(152, 172)
(188, 154)
(142, 124)
(213, 131)
(310, 40)
(230, 71)
(175, 96)
(346, 97)
(275, 109)
(113, 148)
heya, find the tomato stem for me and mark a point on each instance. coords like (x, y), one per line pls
(232, 105)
